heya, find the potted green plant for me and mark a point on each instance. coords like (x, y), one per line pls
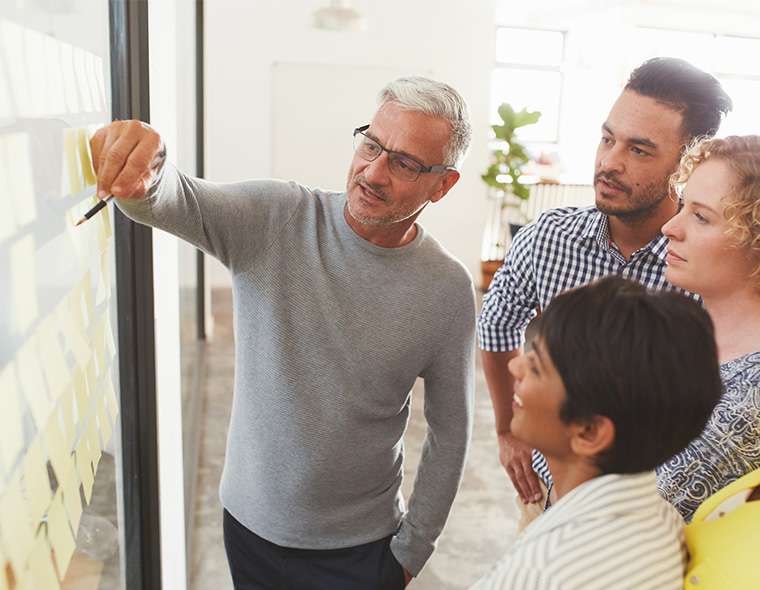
(510, 157)
(505, 188)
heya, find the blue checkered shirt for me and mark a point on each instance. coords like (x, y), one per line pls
(564, 248)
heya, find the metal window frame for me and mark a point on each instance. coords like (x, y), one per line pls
(136, 336)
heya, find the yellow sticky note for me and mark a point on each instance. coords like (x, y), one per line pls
(11, 428)
(40, 565)
(66, 405)
(36, 481)
(15, 524)
(54, 364)
(69, 82)
(94, 440)
(113, 403)
(107, 219)
(72, 333)
(59, 535)
(58, 451)
(23, 284)
(32, 383)
(8, 225)
(3, 578)
(21, 180)
(110, 346)
(83, 144)
(81, 393)
(99, 343)
(84, 468)
(92, 381)
(69, 482)
(71, 157)
(104, 422)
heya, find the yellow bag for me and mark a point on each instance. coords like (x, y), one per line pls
(724, 539)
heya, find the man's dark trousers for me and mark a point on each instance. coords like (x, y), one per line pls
(257, 564)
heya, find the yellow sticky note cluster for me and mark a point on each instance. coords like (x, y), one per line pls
(78, 160)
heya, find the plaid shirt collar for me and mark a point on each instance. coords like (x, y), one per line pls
(597, 229)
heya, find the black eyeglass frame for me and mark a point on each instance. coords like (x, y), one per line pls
(437, 169)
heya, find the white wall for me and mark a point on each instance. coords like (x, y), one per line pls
(451, 40)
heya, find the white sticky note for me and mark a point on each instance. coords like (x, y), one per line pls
(16, 149)
(34, 54)
(40, 565)
(23, 263)
(69, 78)
(54, 94)
(32, 383)
(12, 40)
(11, 423)
(59, 534)
(36, 481)
(54, 365)
(80, 75)
(14, 516)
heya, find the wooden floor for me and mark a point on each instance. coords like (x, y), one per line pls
(482, 522)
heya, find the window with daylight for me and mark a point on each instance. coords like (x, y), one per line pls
(528, 74)
(731, 59)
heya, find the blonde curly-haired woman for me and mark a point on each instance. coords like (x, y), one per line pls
(714, 251)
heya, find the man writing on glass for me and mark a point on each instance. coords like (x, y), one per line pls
(341, 301)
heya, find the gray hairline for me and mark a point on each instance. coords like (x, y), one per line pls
(438, 100)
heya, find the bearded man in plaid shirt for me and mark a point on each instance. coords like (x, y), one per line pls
(666, 103)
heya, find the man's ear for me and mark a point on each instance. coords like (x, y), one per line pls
(448, 180)
(592, 436)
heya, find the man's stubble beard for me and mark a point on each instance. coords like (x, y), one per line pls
(641, 204)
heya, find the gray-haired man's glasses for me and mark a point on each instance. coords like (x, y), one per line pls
(401, 165)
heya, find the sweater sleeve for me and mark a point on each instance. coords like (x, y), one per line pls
(449, 395)
(233, 222)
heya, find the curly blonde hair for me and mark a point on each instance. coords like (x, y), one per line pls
(742, 205)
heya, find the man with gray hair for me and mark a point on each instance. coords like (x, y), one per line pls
(341, 302)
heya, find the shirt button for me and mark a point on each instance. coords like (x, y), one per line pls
(694, 580)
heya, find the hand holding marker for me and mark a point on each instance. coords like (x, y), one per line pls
(127, 156)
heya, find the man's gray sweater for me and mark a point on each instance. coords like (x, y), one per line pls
(331, 332)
